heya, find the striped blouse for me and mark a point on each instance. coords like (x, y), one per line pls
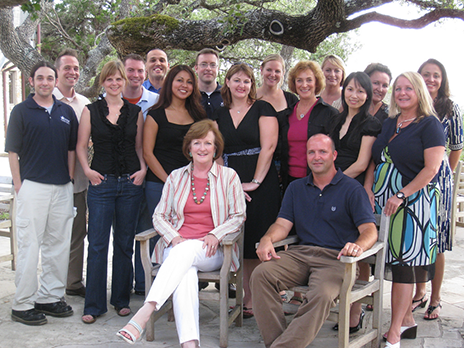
(228, 208)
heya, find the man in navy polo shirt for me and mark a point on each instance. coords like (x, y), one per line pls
(332, 216)
(207, 68)
(41, 142)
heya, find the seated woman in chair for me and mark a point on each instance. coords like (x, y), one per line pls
(201, 203)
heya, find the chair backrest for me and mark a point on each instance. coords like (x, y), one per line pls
(457, 198)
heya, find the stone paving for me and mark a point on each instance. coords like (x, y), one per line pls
(448, 331)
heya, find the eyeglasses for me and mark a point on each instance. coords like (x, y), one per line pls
(205, 65)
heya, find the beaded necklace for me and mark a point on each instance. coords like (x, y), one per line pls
(193, 190)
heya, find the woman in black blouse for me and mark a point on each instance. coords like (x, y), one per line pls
(354, 133)
(115, 192)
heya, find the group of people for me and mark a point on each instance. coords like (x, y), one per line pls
(198, 160)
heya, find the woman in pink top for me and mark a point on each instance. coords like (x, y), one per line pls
(201, 203)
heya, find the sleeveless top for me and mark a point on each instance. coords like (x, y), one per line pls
(168, 145)
(114, 144)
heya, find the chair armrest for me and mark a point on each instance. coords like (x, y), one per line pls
(372, 251)
(6, 197)
(231, 238)
(145, 235)
(289, 240)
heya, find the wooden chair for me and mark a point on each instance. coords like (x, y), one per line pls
(224, 276)
(457, 202)
(7, 226)
(352, 291)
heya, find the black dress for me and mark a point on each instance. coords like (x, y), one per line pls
(241, 151)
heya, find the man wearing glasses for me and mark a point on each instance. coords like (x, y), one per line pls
(207, 68)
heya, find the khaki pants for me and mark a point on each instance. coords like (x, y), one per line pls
(43, 223)
(300, 265)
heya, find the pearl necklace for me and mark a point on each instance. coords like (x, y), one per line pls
(193, 190)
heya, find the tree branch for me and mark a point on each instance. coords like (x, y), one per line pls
(418, 23)
(14, 46)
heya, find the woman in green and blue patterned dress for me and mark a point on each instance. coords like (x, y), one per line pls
(408, 153)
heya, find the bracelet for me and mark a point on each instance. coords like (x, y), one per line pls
(255, 181)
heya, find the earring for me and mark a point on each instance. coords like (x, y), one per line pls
(214, 154)
(190, 154)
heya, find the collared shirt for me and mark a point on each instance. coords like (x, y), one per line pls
(147, 100)
(212, 101)
(77, 102)
(329, 218)
(228, 208)
(147, 84)
(42, 140)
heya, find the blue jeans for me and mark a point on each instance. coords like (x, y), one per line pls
(118, 198)
(153, 191)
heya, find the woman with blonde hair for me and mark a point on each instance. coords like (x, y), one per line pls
(408, 154)
(449, 113)
(334, 73)
(250, 131)
(116, 176)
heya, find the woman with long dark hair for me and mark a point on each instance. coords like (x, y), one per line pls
(178, 107)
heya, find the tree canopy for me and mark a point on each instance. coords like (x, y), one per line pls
(96, 28)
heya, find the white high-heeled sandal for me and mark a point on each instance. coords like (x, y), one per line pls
(390, 345)
(132, 338)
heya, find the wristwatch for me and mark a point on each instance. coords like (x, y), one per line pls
(401, 195)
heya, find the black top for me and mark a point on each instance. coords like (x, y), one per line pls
(382, 113)
(348, 147)
(282, 115)
(319, 121)
(168, 145)
(114, 144)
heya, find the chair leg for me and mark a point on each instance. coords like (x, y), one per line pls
(223, 312)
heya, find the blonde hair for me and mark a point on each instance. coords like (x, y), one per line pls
(302, 66)
(110, 69)
(338, 62)
(425, 107)
(273, 58)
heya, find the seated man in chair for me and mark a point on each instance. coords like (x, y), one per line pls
(332, 217)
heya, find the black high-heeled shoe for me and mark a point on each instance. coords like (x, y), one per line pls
(354, 328)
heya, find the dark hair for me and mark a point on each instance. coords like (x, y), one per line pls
(199, 130)
(66, 52)
(373, 67)
(442, 104)
(206, 51)
(364, 81)
(42, 64)
(156, 49)
(133, 56)
(193, 101)
(234, 69)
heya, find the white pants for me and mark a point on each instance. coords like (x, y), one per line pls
(178, 276)
(43, 223)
